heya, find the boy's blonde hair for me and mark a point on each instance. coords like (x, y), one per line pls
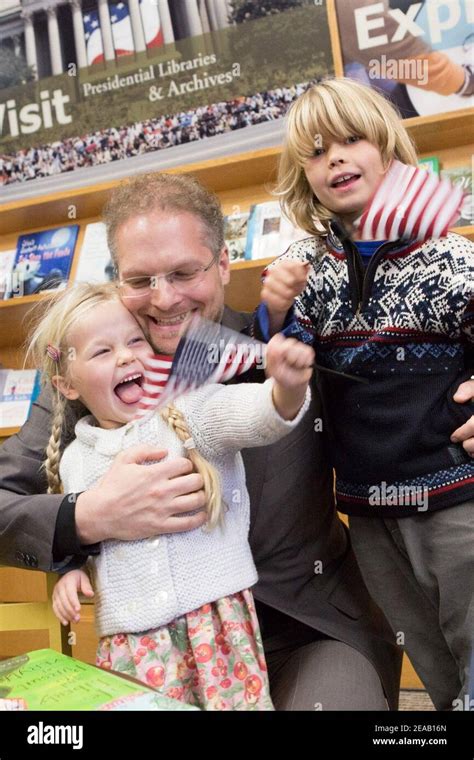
(63, 311)
(334, 109)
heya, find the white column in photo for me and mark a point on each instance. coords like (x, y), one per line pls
(106, 30)
(30, 42)
(16, 45)
(54, 42)
(165, 21)
(211, 12)
(206, 27)
(221, 13)
(79, 39)
(137, 27)
(229, 8)
(193, 18)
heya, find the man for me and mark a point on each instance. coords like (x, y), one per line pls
(327, 644)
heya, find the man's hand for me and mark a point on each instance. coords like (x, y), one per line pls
(282, 284)
(465, 433)
(135, 500)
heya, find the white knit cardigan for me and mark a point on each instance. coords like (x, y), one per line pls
(147, 583)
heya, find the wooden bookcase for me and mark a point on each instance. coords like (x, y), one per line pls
(239, 181)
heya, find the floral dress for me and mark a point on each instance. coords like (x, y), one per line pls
(212, 657)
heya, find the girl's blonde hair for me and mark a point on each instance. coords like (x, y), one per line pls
(334, 109)
(63, 311)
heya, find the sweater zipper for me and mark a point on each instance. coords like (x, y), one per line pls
(361, 279)
(364, 277)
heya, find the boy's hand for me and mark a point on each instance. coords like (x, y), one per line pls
(290, 363)
(66, 605)
(282, 284)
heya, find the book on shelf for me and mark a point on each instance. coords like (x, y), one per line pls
(95, 260)
(19, 388)
(235, 234)
(7, 259)
(430, 163)
(269, 232)
(48, 680)
(461, 176)
(43, 261)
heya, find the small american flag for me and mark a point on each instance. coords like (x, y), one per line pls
(207, 353)
(410, 203)
(157, 372)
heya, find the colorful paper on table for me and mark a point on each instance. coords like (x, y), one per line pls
(47, 680)
(411, 204)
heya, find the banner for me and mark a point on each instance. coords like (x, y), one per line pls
(420, 54)
(240, 70)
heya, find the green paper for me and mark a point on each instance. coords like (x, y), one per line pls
(47, 680)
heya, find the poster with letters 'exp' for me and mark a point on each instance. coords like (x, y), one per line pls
(420, 54)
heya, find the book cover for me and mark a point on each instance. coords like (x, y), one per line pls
(269, 232)
(461, 176)
(43, 260)
(235, 234)
(19, 388)
(289, 234)
(263, 230)
(430, 163)
(7, 259)
(48, 680)
(95, 261)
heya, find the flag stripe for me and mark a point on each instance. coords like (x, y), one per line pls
(410, 203)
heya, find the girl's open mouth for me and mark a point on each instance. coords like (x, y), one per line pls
(129, 390)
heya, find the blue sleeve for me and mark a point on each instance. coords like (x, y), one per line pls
(262, 322)
(291, 327)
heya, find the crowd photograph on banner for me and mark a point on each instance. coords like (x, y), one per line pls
(237, 368)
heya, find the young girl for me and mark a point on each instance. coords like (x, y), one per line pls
(400, 315)
(174, 610)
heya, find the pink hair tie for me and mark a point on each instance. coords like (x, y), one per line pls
(53, 352)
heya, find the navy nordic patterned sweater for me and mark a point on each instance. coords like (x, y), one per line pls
(404, 323)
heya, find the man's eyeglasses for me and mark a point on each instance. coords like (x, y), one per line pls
(182, 280)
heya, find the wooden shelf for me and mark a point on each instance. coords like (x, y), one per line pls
(15, 314)
(252, 264)
(7, 432)
(467, 232)
(441, 131)
(231, 173)
(255, 168)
